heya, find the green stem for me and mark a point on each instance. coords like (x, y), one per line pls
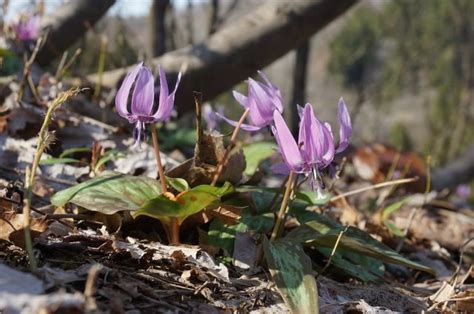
(156, 148)
(284, 207)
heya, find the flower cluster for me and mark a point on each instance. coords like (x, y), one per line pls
(139, 86)
(262, 100)
(315, 149)
(27, 28)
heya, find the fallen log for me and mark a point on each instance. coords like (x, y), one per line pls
(241, 48)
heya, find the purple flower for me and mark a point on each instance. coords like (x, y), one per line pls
(138, 86)
(210, 116)
(315, 149)
(27, 28)
(262, 100)
(463, 191)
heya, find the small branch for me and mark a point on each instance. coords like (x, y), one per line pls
(372, 187)
(283, 208)
(233, 141)
(156, 148)
(334, 249)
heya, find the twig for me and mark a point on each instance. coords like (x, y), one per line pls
(375, 186)
(233, 140)
(94, 271)
(283, 208)
(333, 252)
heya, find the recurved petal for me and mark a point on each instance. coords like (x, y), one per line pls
(121, 99)
(273, 91)
(241, 99)
(286, 143)
(245, 127)
(164, 92)
(143, 94)
(258, 117)
(345, 125)
(262, 99)
(328, 151)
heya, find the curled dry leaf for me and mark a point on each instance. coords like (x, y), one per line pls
(11, 227)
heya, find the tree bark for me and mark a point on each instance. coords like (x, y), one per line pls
(299, 85)
(461, 170)
(157, 25)
(67, 24)
(243, 47)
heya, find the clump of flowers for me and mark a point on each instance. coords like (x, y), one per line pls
(315, 149)
(27, 27)
(139, 86)
(262, 100)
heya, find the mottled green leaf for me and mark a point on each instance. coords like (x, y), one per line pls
(317, 233)
(291, 270)
(255, 153)
(110, 192)
(186, 203)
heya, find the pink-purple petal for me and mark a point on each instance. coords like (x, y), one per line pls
(286, 143)
(121, 99)
(345, 126)
(245, 127)
(143, 94)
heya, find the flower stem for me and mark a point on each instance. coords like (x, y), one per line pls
(174, 232)
(233, 140)
(284, 207)
(156, 148)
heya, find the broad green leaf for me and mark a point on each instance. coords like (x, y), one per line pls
(217, 191)
(312, 198)
(256, 153)
(110, 192)
(185, 204)
(350, 268)
(54, 161)
(316, 233)
(291, 270)
(178, 184)
(222, 235)
(74, 150)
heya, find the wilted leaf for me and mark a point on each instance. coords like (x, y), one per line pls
(319, 234)
(256, 153)
(185, 204)
(292, 272)
(110, 192)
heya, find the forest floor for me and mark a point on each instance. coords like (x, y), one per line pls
(92, 262)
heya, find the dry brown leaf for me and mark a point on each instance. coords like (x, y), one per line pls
(11, 227)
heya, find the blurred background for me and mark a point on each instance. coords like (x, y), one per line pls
(405, 68)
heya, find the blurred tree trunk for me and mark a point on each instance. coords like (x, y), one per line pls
(299, 84)
(157, 23)
(189, 23)
(240, 49)
(67, 24)
(213, 16)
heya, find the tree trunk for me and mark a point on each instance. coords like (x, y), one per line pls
(299, 85)
(243, 47)
(213, 16)
(68, 23)
(157, 25)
